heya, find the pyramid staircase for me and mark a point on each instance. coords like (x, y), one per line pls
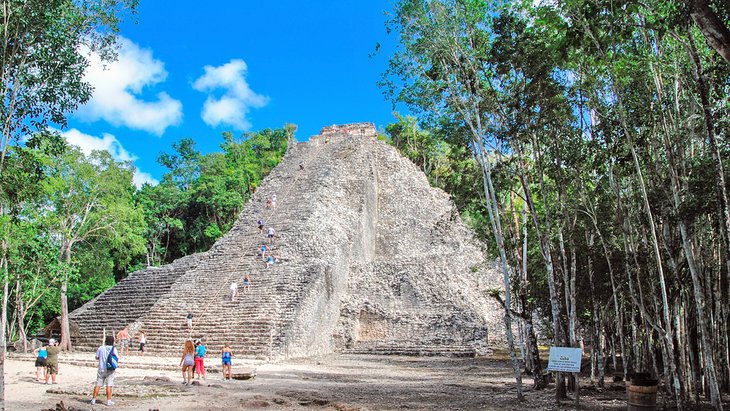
(332, 222)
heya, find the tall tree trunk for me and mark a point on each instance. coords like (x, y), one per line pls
(596, 354)
(545, 250)
(20, 313)
(3, 321)
(700, 7)
(495, 219)
(533, 349)
(714, 30)
(477, 134)
(615, 291)
(65, 342)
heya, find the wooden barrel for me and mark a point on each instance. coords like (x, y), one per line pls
(642, 395)
(635, 375)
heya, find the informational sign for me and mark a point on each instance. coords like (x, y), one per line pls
(564, 359)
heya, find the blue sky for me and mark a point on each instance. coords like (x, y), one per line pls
(192, 69)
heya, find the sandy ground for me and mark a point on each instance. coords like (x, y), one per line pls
(345, 383)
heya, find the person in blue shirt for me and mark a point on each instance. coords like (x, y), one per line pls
(199, 356)
(40, 362)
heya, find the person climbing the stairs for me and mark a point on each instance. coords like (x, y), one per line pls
(200, 351)
(270, 261)
(264, 249)
(189, 319)
(234, 291)
(123, 338)
(142, 342)
(301, 165)
(273, 201)
(261, 226)
(246, 282)
(270, 233)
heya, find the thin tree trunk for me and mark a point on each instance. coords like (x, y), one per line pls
(497, 230)
(65, 342)
(20, 314)
(545, 250)
(495, 220)
(615, 290)
(3, 322)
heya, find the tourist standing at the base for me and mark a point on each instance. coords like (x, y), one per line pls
(52, 361)
(187, 362)
(40, 362)
(200, 351)
(104, 375)
(226, 355)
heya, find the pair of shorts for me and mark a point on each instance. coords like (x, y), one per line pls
(270, 235)
(188, 361)
(141, 346)
(124, 343)
(51, 368)
(226, 361)
(105, 377)
(40, 362)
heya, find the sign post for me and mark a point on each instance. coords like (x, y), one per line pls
(566, 359)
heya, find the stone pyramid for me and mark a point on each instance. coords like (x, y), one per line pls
(373, 259)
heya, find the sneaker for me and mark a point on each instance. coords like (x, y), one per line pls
(109, 402)
(93, 401)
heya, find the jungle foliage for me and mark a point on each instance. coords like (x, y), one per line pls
(587, 140)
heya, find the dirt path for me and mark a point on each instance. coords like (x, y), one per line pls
(326, 383)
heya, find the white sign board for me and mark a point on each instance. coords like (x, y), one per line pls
(564, 359)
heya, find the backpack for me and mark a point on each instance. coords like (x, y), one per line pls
(112, 361)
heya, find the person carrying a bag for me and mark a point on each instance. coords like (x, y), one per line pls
(107, 358)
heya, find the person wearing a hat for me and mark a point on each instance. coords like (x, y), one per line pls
(52, 361)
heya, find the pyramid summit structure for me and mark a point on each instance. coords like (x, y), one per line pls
(372, 259)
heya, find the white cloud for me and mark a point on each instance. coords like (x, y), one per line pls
(88, 143)
(117, 89)
(237, 100)
(140, 178)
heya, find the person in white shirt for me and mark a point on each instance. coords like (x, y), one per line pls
(234, 291)
(104, 376)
